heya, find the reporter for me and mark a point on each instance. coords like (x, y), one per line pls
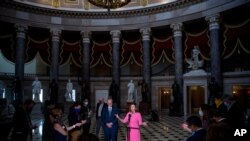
(60, 130)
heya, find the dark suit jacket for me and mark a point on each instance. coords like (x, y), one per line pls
(97, 107)
(235, 116)
(198, 135)
(107, 119)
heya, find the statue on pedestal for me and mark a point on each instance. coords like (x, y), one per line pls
(114, 91)
(37, 86)
(53, 92)
(195, 63)
(85, 89)
(176, 92)
(69, 88)
(213, 90)
(144, 90)
(175, 106)
(131, 91)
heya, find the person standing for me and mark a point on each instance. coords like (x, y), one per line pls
(134, 120)
(194, 123)
(109, 121)
(22, 125)
(99, 107)
(86, 115)
(74, 117)
(60, 130)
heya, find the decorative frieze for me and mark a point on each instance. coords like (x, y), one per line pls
(93, 14)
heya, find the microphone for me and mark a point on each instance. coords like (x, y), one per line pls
(129, 116)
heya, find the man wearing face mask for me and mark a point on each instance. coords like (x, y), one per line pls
(74, 117)
(195, 125)
(86, 115)
(22, 125)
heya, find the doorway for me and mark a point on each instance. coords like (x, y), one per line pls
(165, 94)
(195, 98)
(101, 94)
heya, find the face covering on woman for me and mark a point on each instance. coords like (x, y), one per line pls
(201, 113)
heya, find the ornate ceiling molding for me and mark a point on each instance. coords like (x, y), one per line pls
(95, 15)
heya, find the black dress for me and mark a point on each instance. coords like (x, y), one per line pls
(57, 136)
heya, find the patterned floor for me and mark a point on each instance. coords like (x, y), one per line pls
(167, 129)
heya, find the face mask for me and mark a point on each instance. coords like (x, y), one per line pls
(86, 103)
(77, 110)
(227, 104)
(201, 113)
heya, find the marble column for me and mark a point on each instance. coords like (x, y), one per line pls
(178, 51)
(19, 65)
(85, 82)
(147, 61)
(215, 48)
(55, 45)
(116, 64)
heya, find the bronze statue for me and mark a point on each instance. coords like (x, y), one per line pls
(144, 90)
(113, 91)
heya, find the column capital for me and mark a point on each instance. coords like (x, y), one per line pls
(116, 34)
(213, 21)
(55, 34)
(145, 33)
(21, 31)
(86, 36)
(177, 29)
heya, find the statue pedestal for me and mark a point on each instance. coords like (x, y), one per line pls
(144, 108)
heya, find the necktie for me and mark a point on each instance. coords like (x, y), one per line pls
(110, 109)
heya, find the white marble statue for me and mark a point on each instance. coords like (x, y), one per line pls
(69, 89)
(131, 91)
(194, 62)
(36, 88)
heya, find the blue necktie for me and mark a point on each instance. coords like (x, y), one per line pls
(110, 109)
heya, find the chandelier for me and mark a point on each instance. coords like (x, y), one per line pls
(109, 4)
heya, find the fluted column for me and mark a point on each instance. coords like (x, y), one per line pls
(215, 48)
(19, 65)
(86, 65)
(55, 45)
(177, 31)
(147, 61)
(116, 62)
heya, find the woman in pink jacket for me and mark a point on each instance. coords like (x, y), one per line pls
(133, 120)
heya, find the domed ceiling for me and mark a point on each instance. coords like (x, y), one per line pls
(84, 5)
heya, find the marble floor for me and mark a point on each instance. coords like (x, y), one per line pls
(167, 129)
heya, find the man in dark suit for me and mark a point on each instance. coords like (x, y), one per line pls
(99, 107)
(195, 124)
(86, 115)
(109, 121)
(235, 113)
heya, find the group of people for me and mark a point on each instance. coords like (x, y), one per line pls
(217, 122)
(107, 116)
(79, 121)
